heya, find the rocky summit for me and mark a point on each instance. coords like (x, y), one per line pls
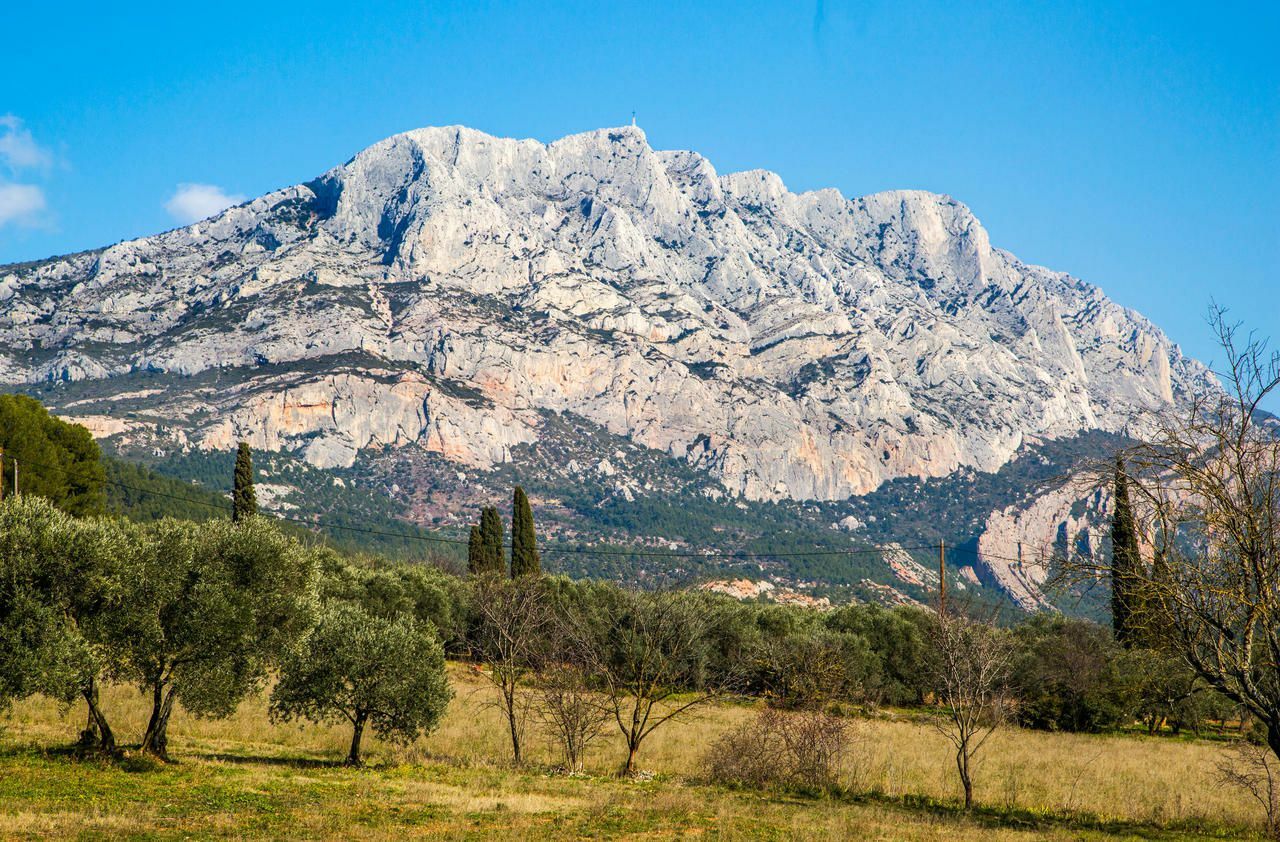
(454, 294)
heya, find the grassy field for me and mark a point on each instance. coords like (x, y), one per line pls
(246, 777)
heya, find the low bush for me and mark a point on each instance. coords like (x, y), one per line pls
(795, 750)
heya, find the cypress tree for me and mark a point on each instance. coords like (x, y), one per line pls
(491, 540)
(524, 543)
(1125, 562)
(244, 503)
(475, 551)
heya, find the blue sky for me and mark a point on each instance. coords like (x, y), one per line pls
(1134, 145)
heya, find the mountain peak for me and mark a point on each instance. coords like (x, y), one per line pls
(787, 345)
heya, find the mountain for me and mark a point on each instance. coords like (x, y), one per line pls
(448, 307)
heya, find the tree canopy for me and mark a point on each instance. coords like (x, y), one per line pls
(211, 606)
(33, 639)
(244, 501)
(491, 541)
(387, 672)
(524, 541)
(55, 460)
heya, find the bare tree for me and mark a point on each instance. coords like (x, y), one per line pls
(569, 709)
(1253, 768)
(513, 619)
(1207, 502)
(650, 659)
(970, 673)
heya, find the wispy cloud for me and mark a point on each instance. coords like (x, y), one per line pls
(21, 204)
(18, 149)
(194, 202)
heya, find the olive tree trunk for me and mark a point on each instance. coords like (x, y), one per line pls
(357, 732)
(156, 739)
(98, 731)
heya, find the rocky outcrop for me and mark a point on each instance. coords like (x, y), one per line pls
(330, 419)
(803, 346)
(1021, 544)
(906, 569)
(748, 589)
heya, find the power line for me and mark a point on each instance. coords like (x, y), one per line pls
(729, 555)
(733, 555)
(1046, 552)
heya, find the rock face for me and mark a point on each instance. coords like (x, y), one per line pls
(1019, 543)
(744, 589)
(445, 288)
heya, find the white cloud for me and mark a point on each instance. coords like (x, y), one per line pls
(194, 202)
(18, 149)
(21, 204)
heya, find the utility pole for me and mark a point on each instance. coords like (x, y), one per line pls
(942, 578)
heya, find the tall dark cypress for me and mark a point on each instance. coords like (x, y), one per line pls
(475, 551)
(491, 540)
(524, 542)
(1125, 563)
(244, 502)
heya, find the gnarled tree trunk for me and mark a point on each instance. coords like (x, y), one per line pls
(98, 734)
(156, 739)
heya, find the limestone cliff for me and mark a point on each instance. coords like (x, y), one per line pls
(444, 287)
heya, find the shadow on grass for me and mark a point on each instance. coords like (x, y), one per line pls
(1019, 818)
(69, 751)
(1005, 818)
(276, 760)
(126, 758)
(130, 759)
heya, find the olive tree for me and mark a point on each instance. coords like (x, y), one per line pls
(898, 647)
(211, 607)
(812, 667)
(33, 634)
(384, 672)
(59, 590)
(419, 591)
(97, 552)
(1069, 675)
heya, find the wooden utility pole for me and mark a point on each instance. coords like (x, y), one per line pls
(942, 578)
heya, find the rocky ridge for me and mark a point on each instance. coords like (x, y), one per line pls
(802, 346)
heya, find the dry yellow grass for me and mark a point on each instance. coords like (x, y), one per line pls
(457, 783)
